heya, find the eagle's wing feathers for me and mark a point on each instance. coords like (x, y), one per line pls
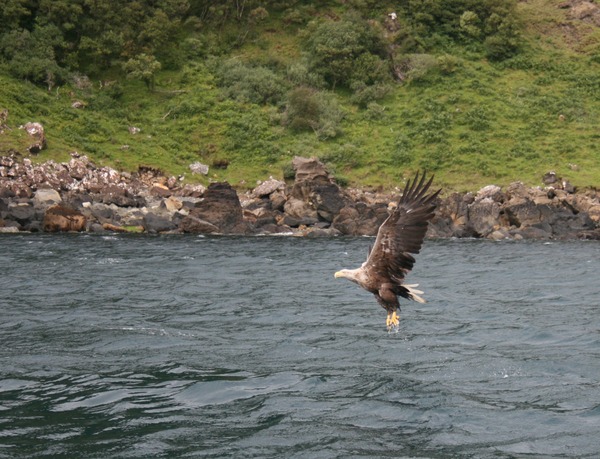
(403, 231)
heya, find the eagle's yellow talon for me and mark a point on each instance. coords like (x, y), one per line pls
(392, 320)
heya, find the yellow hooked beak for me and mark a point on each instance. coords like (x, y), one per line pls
(338, 274)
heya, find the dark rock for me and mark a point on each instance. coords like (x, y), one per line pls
(300, 211)
(590, 234)
(220, 207)
(156, 223)
(278, 200)
(6, 191)
(191, 224)
(549, 178)
(568, 187)
(22, 212)
(360, 219)
(328, 200)
(316, 188)
(568, 225)
(119, 196)
(484, 216)
(102, 213)
(452, 217)
(261, 216)
(295, 222)
(161, 191)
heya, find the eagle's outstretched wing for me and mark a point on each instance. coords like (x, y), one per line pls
(403, 232)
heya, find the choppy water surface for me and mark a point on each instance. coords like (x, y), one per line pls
(128, 346)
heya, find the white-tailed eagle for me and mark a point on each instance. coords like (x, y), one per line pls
(390, 259)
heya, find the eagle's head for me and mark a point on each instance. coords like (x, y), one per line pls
(351, 274)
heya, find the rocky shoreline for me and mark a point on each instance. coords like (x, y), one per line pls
(80, 196)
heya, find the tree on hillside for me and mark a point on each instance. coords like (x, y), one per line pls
(12, 14)
(142, 67)
(87, 35)
(335, 47)
(32, 55)
(491, 22)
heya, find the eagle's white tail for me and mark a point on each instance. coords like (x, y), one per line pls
(413, 293)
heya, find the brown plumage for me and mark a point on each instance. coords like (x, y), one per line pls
(391, 258)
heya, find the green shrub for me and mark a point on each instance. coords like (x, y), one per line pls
(374, 111)
(415, 67)
(448, 64)
(367, 94)
(311, 110)
(299, 75)
(245, 83)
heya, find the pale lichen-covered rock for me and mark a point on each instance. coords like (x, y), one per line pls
(199, 168)
(268, 187)
(37, 134)
(46, 197)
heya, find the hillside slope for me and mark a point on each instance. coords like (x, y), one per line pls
(469, 119)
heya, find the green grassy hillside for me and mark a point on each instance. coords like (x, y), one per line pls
(470, 120)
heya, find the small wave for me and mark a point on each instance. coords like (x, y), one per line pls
(109, 261)
(110, 238)
(144, 330)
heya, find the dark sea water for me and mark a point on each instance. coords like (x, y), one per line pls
(137, 347)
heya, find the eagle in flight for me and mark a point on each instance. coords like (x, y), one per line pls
(390, 259)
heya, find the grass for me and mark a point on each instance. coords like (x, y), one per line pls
(483, 123)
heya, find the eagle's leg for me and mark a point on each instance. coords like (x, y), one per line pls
(393, 320)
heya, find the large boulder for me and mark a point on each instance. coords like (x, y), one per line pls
(310, 170)
(484, 216)
(360, 219)
(268, 187)
(77, 167)
(452, 217)
(315, 187)
(60, 218)
(220, 207)
(192, 224)
(299, 212)
(158, 222)
(21, 211)
(46, 197)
